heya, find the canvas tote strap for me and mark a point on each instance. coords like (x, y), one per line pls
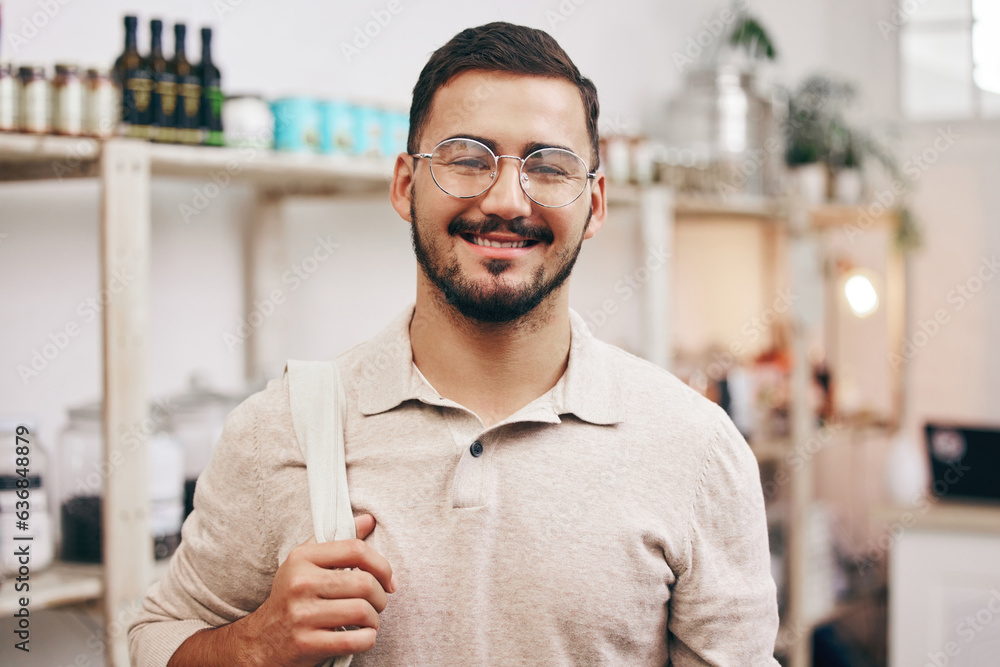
(319, 411)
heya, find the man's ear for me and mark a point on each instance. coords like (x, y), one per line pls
(599, 206)
(401, 189)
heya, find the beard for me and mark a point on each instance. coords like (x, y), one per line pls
(497, 300)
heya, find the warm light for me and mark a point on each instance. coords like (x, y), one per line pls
(861, 295)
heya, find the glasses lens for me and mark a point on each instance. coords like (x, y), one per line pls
(554, 177)
(463, 167)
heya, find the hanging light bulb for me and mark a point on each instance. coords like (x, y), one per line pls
(860, 293)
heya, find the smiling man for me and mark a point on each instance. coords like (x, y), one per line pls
(541, 497)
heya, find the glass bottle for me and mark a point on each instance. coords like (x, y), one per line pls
(132, 78)
(186, 119)
(211, 93)
(163, 102)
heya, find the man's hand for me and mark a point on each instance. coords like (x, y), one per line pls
(314, 592)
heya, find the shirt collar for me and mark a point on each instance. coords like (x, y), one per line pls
(588, 389)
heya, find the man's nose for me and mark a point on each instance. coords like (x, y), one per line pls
(505, 198)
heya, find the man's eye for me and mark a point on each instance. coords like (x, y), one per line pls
(470, 163)
(547, 170)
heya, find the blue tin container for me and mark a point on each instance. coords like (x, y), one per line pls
(296, 125)
(337, 135)
(395, 127)
(367, 131)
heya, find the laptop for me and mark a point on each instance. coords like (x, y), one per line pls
(965, 461)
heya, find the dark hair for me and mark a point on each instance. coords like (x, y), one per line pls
(499, 47)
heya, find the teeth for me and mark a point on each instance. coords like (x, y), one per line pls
(478, 240)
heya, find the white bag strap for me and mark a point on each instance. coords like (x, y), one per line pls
(319, 411)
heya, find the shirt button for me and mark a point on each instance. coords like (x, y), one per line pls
(476, 449)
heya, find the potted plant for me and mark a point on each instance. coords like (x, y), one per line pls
(811, 128)
(845, 164)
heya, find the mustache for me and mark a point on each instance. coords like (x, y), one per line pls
(517, 226)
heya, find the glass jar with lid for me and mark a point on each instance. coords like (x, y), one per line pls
(34, 98)
(67, 100)
(198, 416)
(83, 472)
(25, 519)
(101, 104)
(8, 99)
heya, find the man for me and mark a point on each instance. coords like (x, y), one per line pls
(542, 497)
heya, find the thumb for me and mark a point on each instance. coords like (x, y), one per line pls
(364, 524)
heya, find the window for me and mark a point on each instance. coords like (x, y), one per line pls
(949, 53)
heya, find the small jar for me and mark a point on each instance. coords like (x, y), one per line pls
(67, 100)
(101, 103)
(247, 122)
(25, 519)
(8, 99)
(34, 97)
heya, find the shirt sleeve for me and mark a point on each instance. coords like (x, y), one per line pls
(724, 607)
(224, 565)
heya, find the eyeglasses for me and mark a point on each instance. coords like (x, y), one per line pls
(466, 168)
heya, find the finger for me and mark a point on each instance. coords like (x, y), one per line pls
(347, 584)
(348, 554)
(333, 614)
(330, 643)
(364, 524)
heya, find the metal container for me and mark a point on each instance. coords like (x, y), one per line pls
(296, 125)
(729, 128)
(336, 127)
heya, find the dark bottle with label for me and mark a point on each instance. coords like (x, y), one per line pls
(186, 119)
(133, 80)
(163, 103)
(211, 93)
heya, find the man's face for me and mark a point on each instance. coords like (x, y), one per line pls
(513, 115)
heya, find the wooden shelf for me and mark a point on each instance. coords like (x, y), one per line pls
(747, 207)
(26, 157)
(63, 583)
(840, 215)
(958, 516)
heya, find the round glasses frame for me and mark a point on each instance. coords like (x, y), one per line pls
(522, 177)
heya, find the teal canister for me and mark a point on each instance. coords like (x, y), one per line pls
(296, 125)
(368, 128)
(337, 136)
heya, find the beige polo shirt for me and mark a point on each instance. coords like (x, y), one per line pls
(617, 519)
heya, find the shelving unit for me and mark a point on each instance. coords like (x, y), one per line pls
(803, 226)
(125, 169)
